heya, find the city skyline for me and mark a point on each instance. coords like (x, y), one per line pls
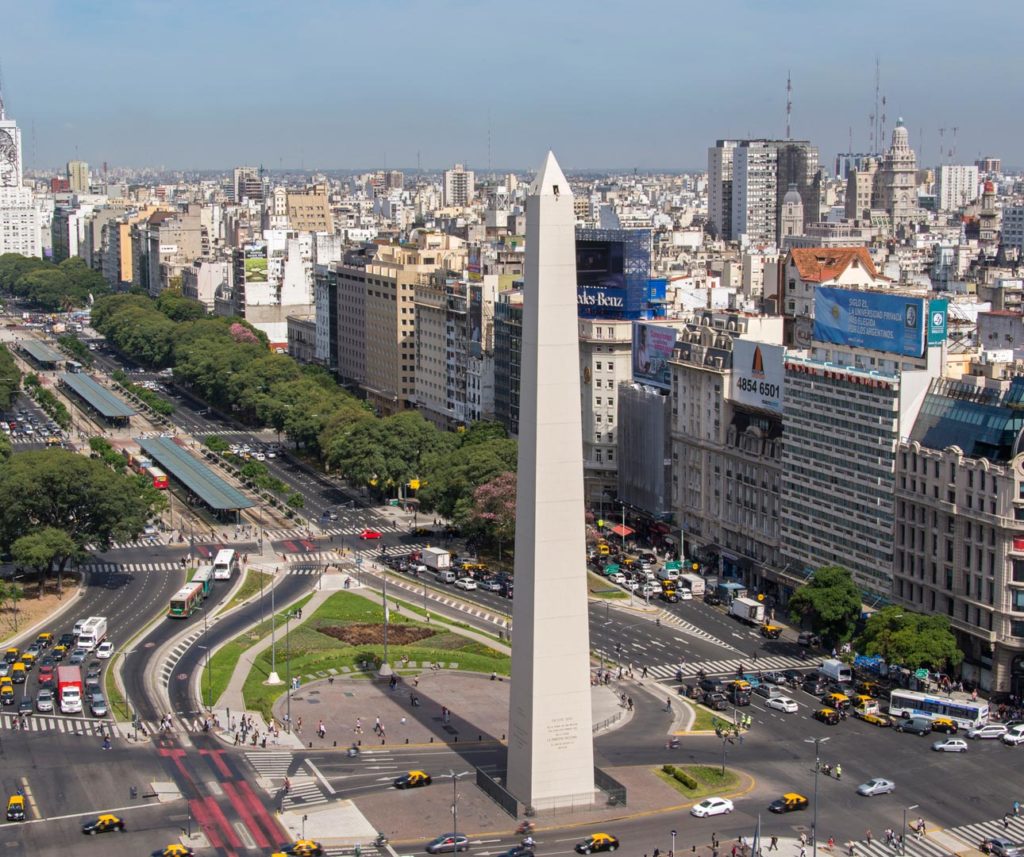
(191, 87)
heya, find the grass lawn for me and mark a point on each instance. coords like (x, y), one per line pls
(602, 587)
(223, 663)
(710, 781)
(254, 583)
(115, 702)
(704, 719)
(356, 625)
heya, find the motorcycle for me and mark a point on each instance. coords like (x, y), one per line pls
(525, 827)
(673, 744)
(380, 841)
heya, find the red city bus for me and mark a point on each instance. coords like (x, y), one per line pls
(158, 476)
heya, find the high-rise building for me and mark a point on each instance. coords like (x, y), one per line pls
(989, 165)
(957, 186)
(78, 176)
(19, 214)
(247, 184)
(459, 186)
(720, 188)
(1013, 228)
(896, 179)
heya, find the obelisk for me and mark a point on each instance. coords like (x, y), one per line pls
(550, 736)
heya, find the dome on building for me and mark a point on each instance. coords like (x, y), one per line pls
(792, 196)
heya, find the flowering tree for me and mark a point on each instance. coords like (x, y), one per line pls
(491, 514)
(240, 333)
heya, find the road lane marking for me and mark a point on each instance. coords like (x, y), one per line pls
(316, 773)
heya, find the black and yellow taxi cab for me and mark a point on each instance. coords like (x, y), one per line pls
(6, 691)
(944, 724)
(28, 659)
(44, 640)
(838, 701)
(870, 688)
(597, 842)
(16, 808)
(103, 823)
(772, 632)
(18, 672)
(11, 655)
(862, 700)
(59, 651)
(175, 849)
(828, 716)
(304, 848)
(412, 780)
(789, 802)
(875, 718)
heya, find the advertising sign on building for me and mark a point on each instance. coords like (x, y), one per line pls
(883, 322)
(476, 319)
(757, 374)
(937, 312)
(652, 349)
(600, 274)
(474, 270)
(255, 264)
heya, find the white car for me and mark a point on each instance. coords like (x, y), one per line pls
(782, 703)
(684, 594)
(712, 806)
(466, 583)
(951, 745)
(877, 786)
(1014, 737)
(989, 730)
(105, 649)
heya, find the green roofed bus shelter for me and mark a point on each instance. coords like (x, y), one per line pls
(42, 355)
(197, 477)
(96, 398)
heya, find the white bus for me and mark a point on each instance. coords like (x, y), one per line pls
(910, 703)
(225, 564)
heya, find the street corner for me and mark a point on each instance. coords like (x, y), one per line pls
(337, 823)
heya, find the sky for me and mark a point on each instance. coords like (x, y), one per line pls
(606, 84)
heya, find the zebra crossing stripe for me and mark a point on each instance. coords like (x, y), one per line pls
(725, 667)
(68, 725)
(302, 795)
(948, 840)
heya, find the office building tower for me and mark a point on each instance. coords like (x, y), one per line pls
(459, 186)
(78, 176)
(957, 186)
(247, 184)
(720, 188)
(19, 213)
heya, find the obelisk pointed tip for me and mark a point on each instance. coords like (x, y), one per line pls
(550, 180)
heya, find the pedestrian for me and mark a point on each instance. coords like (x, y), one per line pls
(803, 851)
(831, 843)
(1006, 821)
(774, 846)
(656, 853)
(629, 703)
(298, 725)
(668, 703)
(1016, 808)
(643, 674)
(853, 849)
(868, 837)
(376, 725)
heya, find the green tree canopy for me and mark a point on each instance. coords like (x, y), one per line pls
(42, 550)
(491, 512)
(80, 496)
(910, 639)
(454, 475)
(830, 602)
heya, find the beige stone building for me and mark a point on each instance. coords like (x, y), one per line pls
(310, 211)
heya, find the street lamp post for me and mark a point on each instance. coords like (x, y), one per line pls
(903, 838)
(817, 742)
(672, 853)
(455, 803)
(288, 665)
(273, 678)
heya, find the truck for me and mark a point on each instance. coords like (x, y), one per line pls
(693, 582)
(836, 670)
(94, 631)
(669, 571)
(437, 559)
(69, 689)
(747, 610)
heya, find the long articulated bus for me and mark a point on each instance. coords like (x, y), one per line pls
(204, 575)
(186, 601)
(225, 564)
(911, 703)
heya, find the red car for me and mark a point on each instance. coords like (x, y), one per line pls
(369, 534)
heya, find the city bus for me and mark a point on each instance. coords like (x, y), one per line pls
(186, 601)
(204, 575)
(158, 477)
(225, 564)
(910, 703)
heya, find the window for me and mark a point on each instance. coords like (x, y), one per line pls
(1017, 600)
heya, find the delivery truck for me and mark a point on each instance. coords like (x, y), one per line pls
(747, 610)
(69, 689)
(437, 559)
(94, 632)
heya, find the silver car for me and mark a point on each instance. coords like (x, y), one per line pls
(44, 700)
(877, 786)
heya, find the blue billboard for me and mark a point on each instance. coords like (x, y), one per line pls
(938, 310)
(612, 272)
(883, 322)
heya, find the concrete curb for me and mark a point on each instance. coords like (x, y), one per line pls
(62, 608)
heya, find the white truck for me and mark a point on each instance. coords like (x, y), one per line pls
(836, 670)
(694, 582)
(747, 610)
(669, 571)
(94, 631)
(437, 559)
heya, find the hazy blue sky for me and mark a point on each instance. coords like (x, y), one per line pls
(357, 83)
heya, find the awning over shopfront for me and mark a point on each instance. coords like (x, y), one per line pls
(622, 531)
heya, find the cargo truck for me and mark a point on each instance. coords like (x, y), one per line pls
(69, 689)
(94, 632)
(693, 582)
(437, 559)
(747, 610)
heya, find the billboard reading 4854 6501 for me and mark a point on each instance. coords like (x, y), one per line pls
(892, 323)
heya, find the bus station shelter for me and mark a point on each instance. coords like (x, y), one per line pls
(96, 398)
(224, 500)
(42, 355)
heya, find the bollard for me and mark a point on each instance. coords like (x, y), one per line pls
(359, 743)
(456, 739)
(310, 745)
(479, 737)
(431, 739)
(406, 740)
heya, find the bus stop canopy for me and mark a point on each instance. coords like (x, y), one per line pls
(96, 396)
(41, 352)
(194, 475)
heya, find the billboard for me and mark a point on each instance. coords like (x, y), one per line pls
(474, 269)
(255, 264)
(937, 312)
(884, 322)
(652, 349)
(476, 319)
(757, 374)
(600, 275)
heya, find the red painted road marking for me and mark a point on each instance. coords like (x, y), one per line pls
(291, 547)
(243, 810)
(218, 816)
(199, 813)
(205, 551)
(277, 833)
(309, 545)
(177, 755)
(217, 757)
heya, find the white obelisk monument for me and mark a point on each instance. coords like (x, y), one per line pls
(550, 737)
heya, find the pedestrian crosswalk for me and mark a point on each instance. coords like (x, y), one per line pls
(125, 567)
(66, 725)
(950, 840)
(667, 672)
(303, 793)
(154, 540)
(691, 630)
(274, 766)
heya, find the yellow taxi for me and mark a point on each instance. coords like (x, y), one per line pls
(838, 701)
(603, 549)
(18, 672)
(875, 719)
(772, 632)
(412, 780)
(305, 848)
(103, 823)
(44, 640)
(6, 691)
(59, 651)
(944, 724)
(741, 684)
(828, 716)
(28, 659)
(870, 688)
(175, 849)
(597, 842)
(16, 808)
(788, 803)
(11, 655)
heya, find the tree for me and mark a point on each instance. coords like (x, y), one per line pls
(11, 594)
(41, 550)
(910, 639)
(830, 602)
(492, 513)
(455, 475)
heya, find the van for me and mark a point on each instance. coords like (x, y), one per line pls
(769, 691)
(836, 670)
(445, 576)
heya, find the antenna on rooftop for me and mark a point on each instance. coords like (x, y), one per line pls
(789, 104)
